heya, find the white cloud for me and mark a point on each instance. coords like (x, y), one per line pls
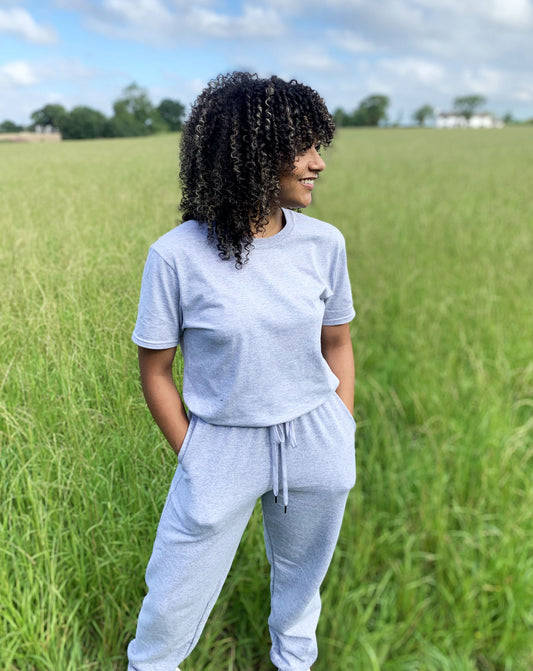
(349, 41)
(514, 12)
(525, 94)
(159, 22)
(302, 61)
(139, 20)
(485, 81)
(18, 73)
(20, 23)
(445, 28)
(419, 70)
(254, 22)
(510, 12)
(478, 29)
(150, 13)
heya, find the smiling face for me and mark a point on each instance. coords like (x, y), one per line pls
(296, 188)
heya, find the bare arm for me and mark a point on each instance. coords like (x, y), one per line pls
(337, 351)
(161, 394)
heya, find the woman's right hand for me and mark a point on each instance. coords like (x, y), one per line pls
(182, 439)
(161, 394)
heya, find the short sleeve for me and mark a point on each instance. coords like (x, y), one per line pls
(158, 323)
(339, 305)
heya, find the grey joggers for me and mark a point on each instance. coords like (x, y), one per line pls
(222, 472)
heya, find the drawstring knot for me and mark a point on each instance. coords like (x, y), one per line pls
(281, 435)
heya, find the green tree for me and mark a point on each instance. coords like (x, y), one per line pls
(371, 111)
(135, 102)
(423, 113)
(49, 115)
(9, 127)
(124, 126)
(135, 114)
(172, 112)
(83, 123)
(467, 105)
(342, 118)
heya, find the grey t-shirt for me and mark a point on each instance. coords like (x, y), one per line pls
(250, 338)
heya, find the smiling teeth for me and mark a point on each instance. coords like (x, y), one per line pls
(306, 181)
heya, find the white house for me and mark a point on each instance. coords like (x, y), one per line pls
(485, 120)
(478, 120)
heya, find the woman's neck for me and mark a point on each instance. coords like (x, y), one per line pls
(276, 221)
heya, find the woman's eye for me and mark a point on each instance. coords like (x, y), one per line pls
(304, 150)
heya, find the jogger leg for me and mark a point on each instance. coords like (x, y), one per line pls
(300, 543)
(300, 552)
(208, 506)
(184, 578)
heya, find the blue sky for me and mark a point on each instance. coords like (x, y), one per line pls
(85, 52)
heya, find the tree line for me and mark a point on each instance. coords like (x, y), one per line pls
(372, 111)
(466, 106)
(133, 115)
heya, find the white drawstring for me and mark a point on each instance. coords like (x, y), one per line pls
(280, 436)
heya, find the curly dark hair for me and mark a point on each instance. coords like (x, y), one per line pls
(242, 134)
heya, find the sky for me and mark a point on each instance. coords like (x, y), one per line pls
(85, 52)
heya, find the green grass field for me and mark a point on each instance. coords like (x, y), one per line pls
(434, 569)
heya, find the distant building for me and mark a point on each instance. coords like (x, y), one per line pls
(455, 120)
(27, 136)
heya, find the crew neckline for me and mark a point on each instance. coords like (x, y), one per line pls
(280, 236)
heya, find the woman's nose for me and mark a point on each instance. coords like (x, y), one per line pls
(316, 162)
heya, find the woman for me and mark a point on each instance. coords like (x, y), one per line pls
(258, 298)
